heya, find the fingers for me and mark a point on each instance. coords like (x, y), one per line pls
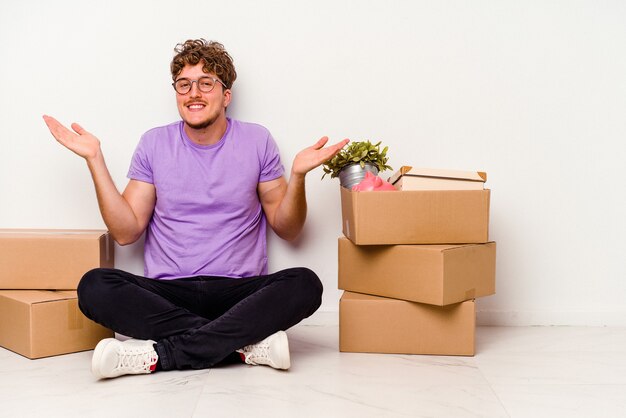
(59, 131)
(314, 156)
(56, 129)
(50, 122)
(320, 143)
(78, 129)
(329, 152)
(324, 140)
(342, 144)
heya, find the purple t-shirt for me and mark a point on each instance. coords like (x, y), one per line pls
(208, 219)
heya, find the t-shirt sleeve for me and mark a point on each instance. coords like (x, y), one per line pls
(140, 167)
(271, 166)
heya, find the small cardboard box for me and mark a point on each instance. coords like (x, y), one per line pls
(371, 324)
(42, 323)
(416, 217)
(51, 259)
(433, 274)
(409, 178)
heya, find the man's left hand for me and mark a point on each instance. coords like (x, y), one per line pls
(314, 156)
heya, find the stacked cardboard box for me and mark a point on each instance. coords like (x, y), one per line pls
(39, 273)
(411, 264)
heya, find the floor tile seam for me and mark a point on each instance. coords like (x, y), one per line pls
(535, 352)
(618, 327)
(205, 383)
(555, 382)
(360, 401)
(533, 384)
(493, 391)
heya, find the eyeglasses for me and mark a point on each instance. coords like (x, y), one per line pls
(205, 84)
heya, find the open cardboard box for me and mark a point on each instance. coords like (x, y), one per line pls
(416, 217)
(51, 258)
(433, 274)
(42, 323)
(371, 324)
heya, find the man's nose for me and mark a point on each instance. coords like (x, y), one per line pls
(195, 91)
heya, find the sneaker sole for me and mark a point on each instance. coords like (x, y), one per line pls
(283, 349)
(97, 356)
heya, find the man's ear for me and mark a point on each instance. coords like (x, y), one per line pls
(227, 97)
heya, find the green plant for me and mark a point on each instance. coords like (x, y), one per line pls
(357, 153)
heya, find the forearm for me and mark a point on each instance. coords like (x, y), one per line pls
(291, 213)
(285, 206)
(116, 212)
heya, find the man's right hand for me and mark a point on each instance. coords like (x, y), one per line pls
(126, 216)
(80, 141)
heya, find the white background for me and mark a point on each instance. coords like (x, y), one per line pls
(533, 93)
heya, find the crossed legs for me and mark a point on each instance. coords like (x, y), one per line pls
(197, 322)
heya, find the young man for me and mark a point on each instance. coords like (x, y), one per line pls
(203, 190)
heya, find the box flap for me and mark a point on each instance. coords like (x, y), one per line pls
(37, 296)
(51, 233)
(403, 170)
(478, 176)
(449, 247)
(357, 296)
(424, 247)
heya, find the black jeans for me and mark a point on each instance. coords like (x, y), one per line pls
(198, 321)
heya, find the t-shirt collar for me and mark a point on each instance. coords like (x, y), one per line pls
(205, 147)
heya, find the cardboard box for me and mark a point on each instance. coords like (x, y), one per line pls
(433, 274)
(416, 217)
(51, 259)
(42, 323)
(409, 178)
(371, 324)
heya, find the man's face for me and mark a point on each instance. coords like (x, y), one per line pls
(198, 109)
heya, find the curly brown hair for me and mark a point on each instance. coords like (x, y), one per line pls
(212, 54)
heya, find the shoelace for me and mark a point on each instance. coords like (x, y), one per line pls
(135, 359)
(257, 352)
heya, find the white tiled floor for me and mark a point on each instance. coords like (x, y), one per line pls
(517, 372)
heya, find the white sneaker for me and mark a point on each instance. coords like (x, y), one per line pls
(113, 358)
(272, 351)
